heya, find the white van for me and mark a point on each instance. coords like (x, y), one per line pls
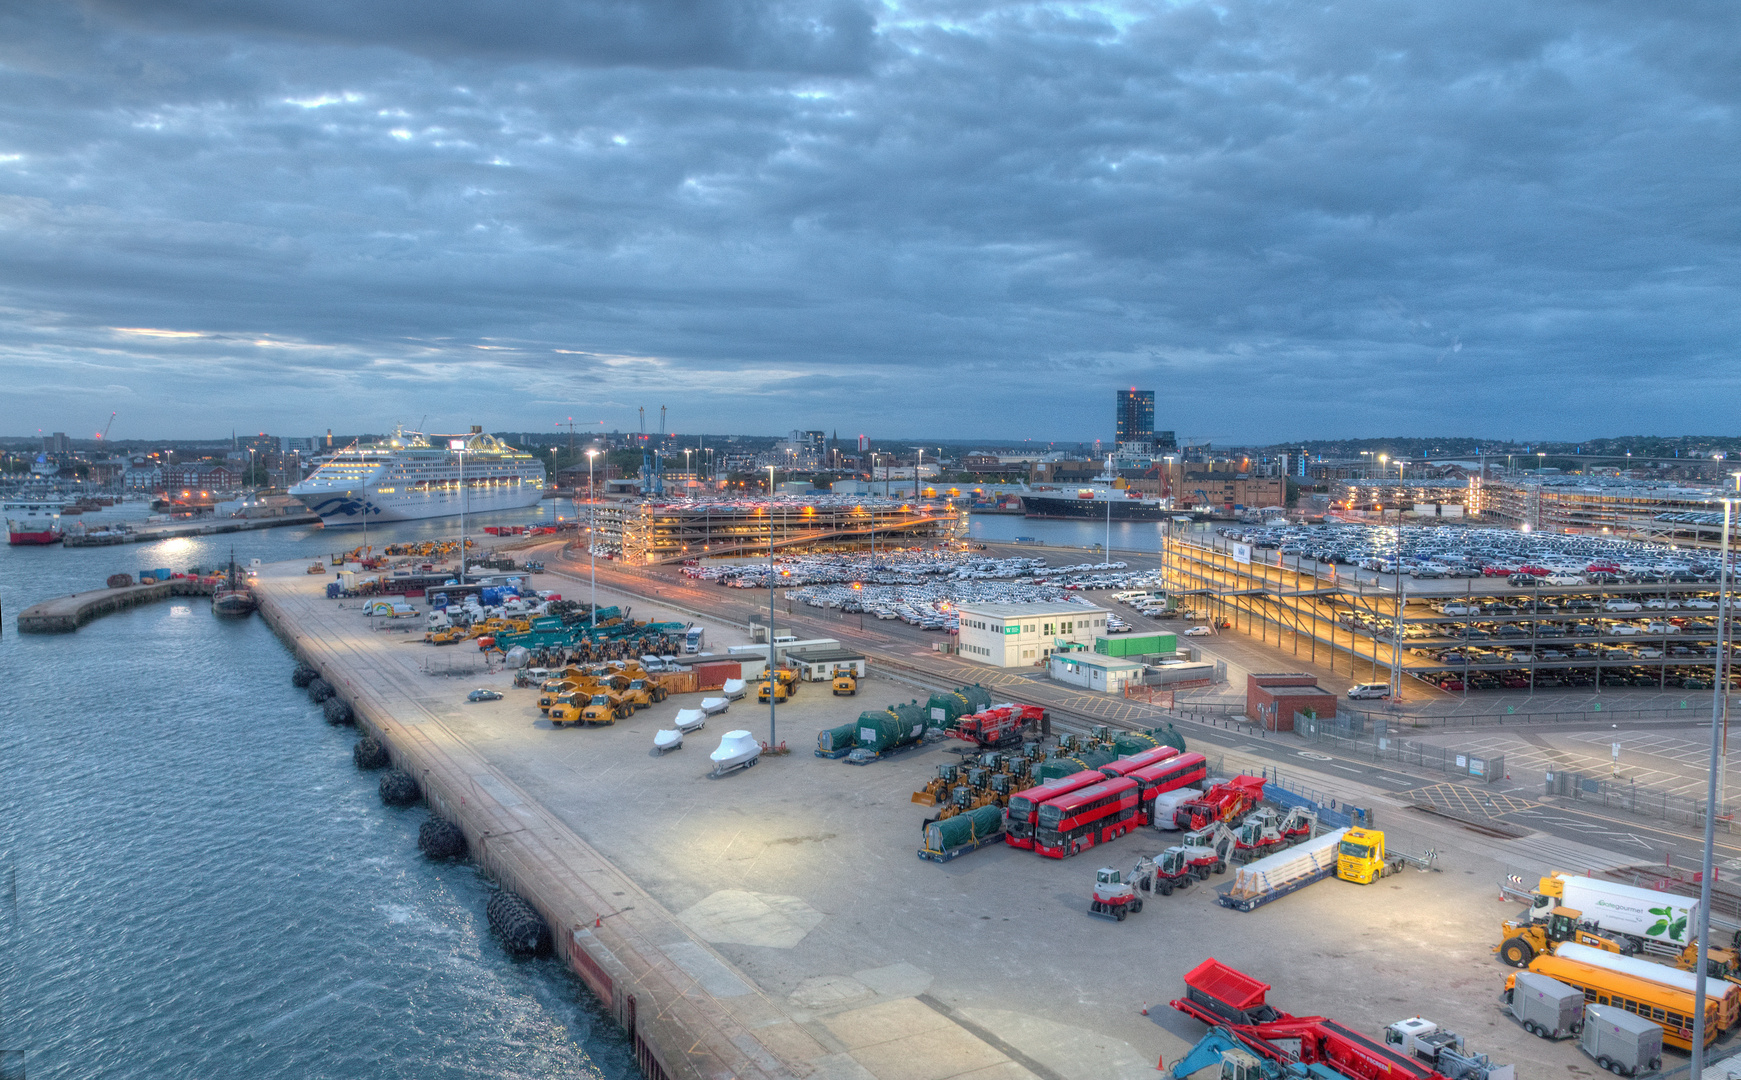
(1367, 691)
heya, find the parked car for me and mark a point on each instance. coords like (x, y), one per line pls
(482, 694)
(1195, 631)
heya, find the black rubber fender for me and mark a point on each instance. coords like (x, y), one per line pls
(302, 676)
(369, 753)
(518, 923)
(399, 788)
(338, 712)
(319, 690)
(439, 838)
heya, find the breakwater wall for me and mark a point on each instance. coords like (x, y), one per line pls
(605, 926)
(65, 614)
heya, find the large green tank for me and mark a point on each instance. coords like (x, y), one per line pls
(1134, 742)
(1069, 766)
(888, 728)
(978, 698)
(946, 709)
(964, 829)
(841, 738)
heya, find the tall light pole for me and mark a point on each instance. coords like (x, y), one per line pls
(1719, 695)
(592, 534)
(772, 741)
(458, 447)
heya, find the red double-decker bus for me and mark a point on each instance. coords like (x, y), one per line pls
(1126, 766)
(1081, 819)
(1169, 774)
(1025, 805)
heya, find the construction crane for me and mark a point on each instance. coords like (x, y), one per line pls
(106, 428)
(651, 464)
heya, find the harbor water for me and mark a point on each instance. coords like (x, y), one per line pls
(195, 881)
(1139, 537)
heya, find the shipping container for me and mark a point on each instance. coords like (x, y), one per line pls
(1137, 645)
(713, 674)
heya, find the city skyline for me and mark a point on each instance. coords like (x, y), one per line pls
(1290, 223)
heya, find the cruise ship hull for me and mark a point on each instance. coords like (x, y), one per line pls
(1065, 508)
(352, 507)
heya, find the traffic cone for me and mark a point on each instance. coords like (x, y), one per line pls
(1161, 1063)
(1145, 1008)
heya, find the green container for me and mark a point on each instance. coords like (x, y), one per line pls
(964, 829)
(1128, 743)
(946, 709)
(978, 698)
(1130, 645)
(894, 726)
(1070, 766)
(840, 738)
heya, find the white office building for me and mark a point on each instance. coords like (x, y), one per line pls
(1024, 635)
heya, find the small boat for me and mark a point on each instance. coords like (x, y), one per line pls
(667, 740)
(691, 719)
(232, 596)
(713, 706)
(733, 689)
(737, 750)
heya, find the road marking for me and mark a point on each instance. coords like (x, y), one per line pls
(1345, 768)
(1313, 755)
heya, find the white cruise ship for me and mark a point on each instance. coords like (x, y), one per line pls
(411, 476)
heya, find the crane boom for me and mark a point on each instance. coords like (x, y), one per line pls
(106, 428)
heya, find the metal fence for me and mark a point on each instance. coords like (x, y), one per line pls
(1692, 709)
(1634, 798)
(1351, 741)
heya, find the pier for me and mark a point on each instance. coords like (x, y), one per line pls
(65, 614)
(777, 922)
(209, 527)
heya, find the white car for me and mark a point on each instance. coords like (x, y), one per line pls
(1199, 631)
(1623, 605)
(1564, 579)
(1700, 605)
(1363, 691)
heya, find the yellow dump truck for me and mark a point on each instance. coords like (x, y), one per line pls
(606, 707)
(845, 684)
(641, 693)
(567, 708)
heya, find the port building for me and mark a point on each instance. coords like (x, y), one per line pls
(1024, 635)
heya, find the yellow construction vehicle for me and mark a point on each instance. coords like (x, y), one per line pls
(567, 708)
(789, 678)
(606, 707)
(555, 688)
(1522, 940)
(641, 693)
(447, 635)
(778, 688)
(845, 683)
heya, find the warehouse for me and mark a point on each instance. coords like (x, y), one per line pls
(1024, 635)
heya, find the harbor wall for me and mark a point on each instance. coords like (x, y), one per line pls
(65, 614)
(602, 923)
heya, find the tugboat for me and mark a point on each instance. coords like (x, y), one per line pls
(233, 596)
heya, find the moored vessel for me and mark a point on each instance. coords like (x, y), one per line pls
(33, 523)
(411, 476)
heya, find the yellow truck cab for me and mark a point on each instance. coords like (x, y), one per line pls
(644, 692)
(845, 684)
(778, 688)
(567, 708)
(1361, 858)
(605, 708)
(551, 690)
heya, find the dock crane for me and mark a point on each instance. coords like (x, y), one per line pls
(106, 427)
(652, 463)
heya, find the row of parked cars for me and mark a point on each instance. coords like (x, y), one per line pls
(1551, 679)
(1432, 551)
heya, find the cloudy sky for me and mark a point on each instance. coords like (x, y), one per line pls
(944, 217)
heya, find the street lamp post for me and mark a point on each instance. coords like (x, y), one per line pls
(772, 740)
(1719, 697)
(458, 446)
(592, 533)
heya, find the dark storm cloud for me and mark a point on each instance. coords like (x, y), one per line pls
(960, 217)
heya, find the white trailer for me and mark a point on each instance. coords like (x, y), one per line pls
(1650, 917)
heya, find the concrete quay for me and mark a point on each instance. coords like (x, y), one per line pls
(777, 922)
(108, 538)
(65, 614)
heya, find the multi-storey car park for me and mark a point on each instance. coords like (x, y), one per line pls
(671, 531)
(1477, 608)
